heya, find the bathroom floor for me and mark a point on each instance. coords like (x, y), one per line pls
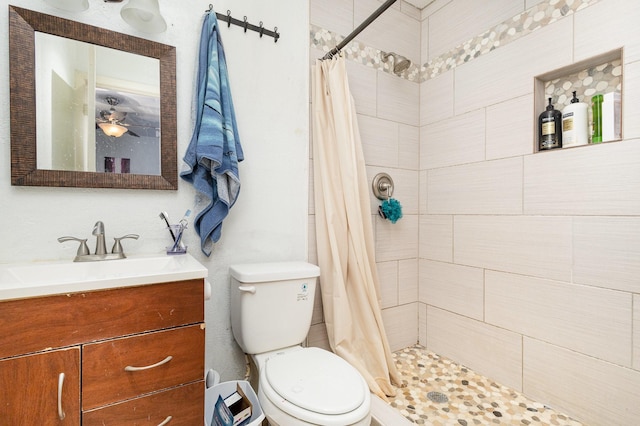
(471, 399)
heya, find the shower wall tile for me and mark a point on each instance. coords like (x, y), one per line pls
(636, 331)
(395, 241)
(598, 392)
(398, 99)
(508, 72)
(529, 245)
(407, 281)
(424, 41)
(510, 127)
(595, 180)
(409, 147)
(631, 101)
(436, 237)
(410, 10)
(455, 288)
(388, 276)
(318, 337)
(379, 141)
(575, 317)
(488, 187)
(422, 196)
(318, 312)
(436, 98)
(448, 27)
(453, 141)
(334, 15)
(393, 31)
(362, 81)
(401, 325)
(607, 252)
(488, 350)
(531, 3)
(422, 324)
(312, 256)
(621, 17)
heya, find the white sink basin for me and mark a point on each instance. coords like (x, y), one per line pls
(37, 279)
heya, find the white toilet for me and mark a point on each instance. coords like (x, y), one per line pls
(271, 308)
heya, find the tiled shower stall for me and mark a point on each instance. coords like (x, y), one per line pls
(523, 266)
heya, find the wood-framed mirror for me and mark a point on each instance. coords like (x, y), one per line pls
(95, 159)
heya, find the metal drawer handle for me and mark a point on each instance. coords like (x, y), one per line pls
(166, 421)
(61, 414)
(147, 367)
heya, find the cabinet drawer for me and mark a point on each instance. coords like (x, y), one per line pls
(70, 319)
(108, 376)
(184, 404)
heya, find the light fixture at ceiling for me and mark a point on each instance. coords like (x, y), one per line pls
(113, 129)
(70, 5)
(144, 15)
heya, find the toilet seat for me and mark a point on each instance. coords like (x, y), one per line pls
(315, 386)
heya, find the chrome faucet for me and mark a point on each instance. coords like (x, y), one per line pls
(98, 232)
(83, 254)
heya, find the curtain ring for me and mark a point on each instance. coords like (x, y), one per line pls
(246, 24)
(261, 29)
(228, 18)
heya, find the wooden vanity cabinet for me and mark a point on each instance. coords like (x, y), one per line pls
(130, 356)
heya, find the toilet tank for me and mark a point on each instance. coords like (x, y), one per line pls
(272, 304)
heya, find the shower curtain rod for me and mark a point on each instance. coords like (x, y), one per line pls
(358, 30)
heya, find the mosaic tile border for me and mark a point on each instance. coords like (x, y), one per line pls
(472, 399)
(524, 23)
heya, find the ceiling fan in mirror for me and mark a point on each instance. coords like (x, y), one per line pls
(112, 122)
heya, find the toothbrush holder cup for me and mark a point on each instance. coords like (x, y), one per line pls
(177, 247)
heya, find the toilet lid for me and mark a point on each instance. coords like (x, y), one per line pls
(316, 380)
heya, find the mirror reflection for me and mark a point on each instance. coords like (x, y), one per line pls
(98, 108)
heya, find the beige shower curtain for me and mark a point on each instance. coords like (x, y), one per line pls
(349, 279)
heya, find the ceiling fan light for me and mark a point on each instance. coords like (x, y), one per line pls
(69, 5)
(144, 15)
(112, 129)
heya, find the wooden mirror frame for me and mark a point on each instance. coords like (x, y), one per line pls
(23, 24)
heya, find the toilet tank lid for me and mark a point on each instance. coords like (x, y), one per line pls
(273, 271)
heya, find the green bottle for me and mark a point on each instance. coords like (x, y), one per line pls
(596, 109)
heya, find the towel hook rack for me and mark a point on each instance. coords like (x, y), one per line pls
(246, 25)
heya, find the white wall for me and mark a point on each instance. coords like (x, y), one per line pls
(269, 83)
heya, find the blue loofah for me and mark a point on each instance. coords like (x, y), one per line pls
(391, 209)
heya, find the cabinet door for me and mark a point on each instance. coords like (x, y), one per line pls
(41, 389)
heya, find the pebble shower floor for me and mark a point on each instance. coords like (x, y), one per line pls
(471, 399)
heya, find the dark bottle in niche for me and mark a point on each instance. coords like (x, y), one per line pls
(550, 128)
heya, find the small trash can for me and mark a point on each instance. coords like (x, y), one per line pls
(225, 389)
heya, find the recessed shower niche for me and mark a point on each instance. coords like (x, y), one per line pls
(598, 75)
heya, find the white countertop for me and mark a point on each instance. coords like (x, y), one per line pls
(59, 277)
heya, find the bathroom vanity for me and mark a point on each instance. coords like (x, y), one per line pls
(122, 347)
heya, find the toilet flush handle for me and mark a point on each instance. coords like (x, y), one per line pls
(247, 289)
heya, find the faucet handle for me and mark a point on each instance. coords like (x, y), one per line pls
(117, 247)
(83, 249)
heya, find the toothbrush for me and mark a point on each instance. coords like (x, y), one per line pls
(165, 216)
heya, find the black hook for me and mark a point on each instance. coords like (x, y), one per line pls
(228, 18)
(210, 8)
(275, 34)
(246, 24)
(261, 29)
